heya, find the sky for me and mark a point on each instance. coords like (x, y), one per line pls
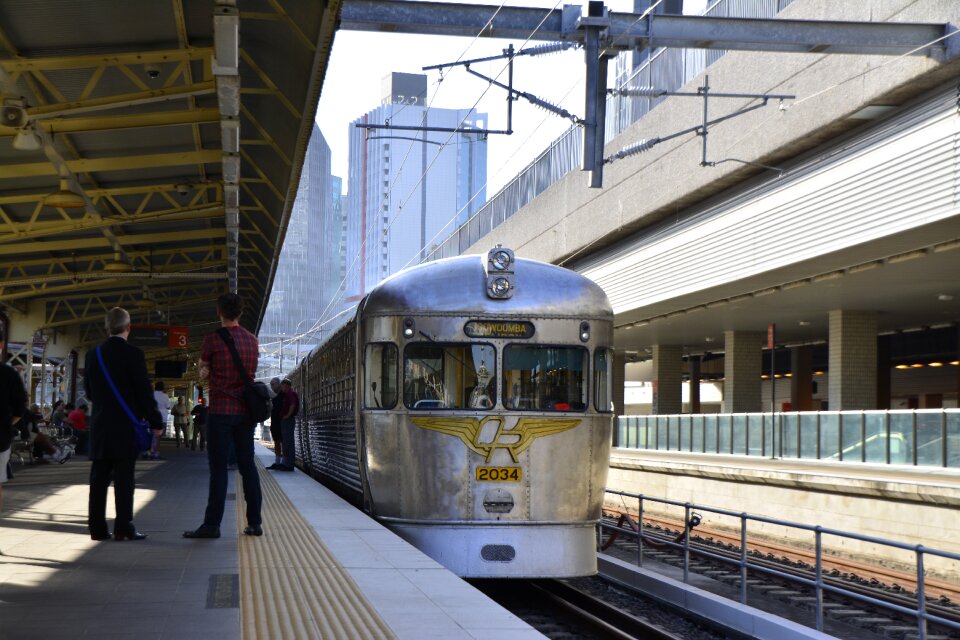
(360, 60)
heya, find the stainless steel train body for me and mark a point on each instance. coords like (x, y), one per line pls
(468, 406)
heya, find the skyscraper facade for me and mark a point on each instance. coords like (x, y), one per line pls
(409, 189)
(310, 265)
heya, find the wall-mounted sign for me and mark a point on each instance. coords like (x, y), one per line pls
(151, 335)
(520, 329)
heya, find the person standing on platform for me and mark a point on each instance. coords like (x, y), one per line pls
(288, 423)
(163, 406)
(113, 448)
(276, 417)
(13, 401)
(181, 421)
(228, 419)
(199, 414)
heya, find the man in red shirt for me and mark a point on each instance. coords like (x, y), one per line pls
(227, 419)
(290, 406)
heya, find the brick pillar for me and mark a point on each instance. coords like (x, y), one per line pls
(853, 360)
(619, 384)
(801, 378)
(694, 384)
(741, 371)
(667, 378)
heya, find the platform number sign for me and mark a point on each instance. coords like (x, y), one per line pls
(150, 335)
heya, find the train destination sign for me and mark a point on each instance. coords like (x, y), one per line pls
(499, 329)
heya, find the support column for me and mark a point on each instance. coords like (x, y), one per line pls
(801, 378)
(694, 384)
(667, 379)
(741, 371)
(884, 370)
(853, 360)
(619, 390)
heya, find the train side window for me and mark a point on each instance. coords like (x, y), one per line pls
(603, 380)
(545, 378)
(380, 376)
(449, 376)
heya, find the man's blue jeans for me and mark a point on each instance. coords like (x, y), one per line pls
(221, 431)
(287, 427)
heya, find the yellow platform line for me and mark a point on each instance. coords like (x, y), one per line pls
(291, 586)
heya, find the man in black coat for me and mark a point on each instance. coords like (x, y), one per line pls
(13, 400)
(112, 445)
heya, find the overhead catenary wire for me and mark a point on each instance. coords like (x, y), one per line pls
(341, 290)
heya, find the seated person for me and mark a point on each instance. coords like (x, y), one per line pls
(29, 427)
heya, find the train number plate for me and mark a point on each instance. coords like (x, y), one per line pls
(499, 474)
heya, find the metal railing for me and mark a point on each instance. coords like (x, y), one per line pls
(919, 437)
(745, 565)
(667, 69)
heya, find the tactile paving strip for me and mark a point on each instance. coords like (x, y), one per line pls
(291, 587)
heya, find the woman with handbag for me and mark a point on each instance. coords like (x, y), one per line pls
(118, 384)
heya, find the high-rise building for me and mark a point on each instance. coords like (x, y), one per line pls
(311, 262)
(409, 188)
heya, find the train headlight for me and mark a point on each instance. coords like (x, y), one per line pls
(409, 328)
(584, 331)
(500, 287)
(500, 259)
(499, 271)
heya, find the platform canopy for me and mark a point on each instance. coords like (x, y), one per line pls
(150, 154)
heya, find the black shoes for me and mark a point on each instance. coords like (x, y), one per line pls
(204, 531)
(275, 465)
(127, 532)
(253, 531)
(104, 535)
(130, 535)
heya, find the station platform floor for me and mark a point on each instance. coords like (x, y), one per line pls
(322, 569)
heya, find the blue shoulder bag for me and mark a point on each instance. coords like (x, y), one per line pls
(142, 437)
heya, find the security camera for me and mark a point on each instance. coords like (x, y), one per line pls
(153, 71)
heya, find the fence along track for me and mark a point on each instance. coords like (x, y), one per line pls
(934, 588)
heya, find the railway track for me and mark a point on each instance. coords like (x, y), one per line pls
(561, 610)
(867, 580)
(609, 620)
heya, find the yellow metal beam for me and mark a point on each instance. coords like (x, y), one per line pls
(97, 243)
(116, 122)
(18, 232)
(213, 252)
(97, 318)
(122, 100)
(109, 59)
(119, 163)
(96, 193)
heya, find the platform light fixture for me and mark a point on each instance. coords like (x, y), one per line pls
(27, 139)
(64, 198)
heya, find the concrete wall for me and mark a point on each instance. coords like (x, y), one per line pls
(569, 217)
(904, 505)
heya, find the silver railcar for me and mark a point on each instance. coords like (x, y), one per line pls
(468, 406)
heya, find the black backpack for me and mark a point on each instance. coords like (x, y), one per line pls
(256, 395)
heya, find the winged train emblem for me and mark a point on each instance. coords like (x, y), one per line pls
(484, 436)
